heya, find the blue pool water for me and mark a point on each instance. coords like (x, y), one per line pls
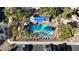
(39, 18)
(40, 28)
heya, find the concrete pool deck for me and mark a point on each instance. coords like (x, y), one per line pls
(30, 42)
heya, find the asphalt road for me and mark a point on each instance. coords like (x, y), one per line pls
(35, 48)
(75, 47)
(38, 48)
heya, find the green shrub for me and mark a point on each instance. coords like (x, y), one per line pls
(66, 31)
(15, 32)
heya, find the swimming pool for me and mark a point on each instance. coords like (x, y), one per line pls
(40, 28)
(39, 18)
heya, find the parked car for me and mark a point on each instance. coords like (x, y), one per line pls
(21, 47)
(60, 47)
(1, 36)
(28, 47)
(1, 30)
(1, 39)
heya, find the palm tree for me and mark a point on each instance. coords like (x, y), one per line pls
(66, 12)
(16, 15)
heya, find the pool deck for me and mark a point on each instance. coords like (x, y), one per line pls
(72, 41)
(29, 42)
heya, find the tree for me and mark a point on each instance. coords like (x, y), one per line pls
(66, 13)
(51, 11)
(65, 31)
(2, 16)
(73, 24)
(15, 32)
(77, 11)
(14, 14)
(17, 16)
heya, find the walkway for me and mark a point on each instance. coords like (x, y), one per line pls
(5, 46)
(74, 39)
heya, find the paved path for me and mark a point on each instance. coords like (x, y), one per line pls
(5, 46)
